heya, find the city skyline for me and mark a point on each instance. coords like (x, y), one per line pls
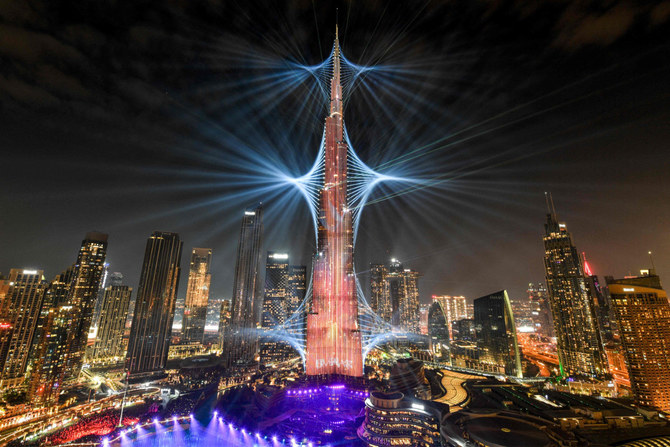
(414, 274)
(576, 165)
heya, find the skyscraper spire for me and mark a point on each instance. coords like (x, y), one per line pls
(550, 204)
(335, 85)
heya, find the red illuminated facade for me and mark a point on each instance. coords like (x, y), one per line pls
(333, 337)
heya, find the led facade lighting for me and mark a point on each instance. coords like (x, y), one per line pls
(334, 344)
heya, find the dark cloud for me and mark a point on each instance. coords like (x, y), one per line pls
(29, 47)
(22, 92)
(660, 14)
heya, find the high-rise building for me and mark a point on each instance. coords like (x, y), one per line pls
(53, 338)
(276, 285)
(21, 312)
(453, 307)
(404, 297)
(334, 344)
(275, 306)
(643, 313)
(579, 344)
(539, 301)
(109, 341)
(496, 333)
(394, 295)
(297, 288)
(423, 318)
(223, 317)
(197, 295)
(601, 302)
(150, 331)
(380, 297)
(438, 328)
(83, 294)
(104, 282)
(240, 341)
(464, 330)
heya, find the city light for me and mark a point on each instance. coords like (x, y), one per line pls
(303, 178)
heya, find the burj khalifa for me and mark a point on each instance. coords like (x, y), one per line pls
(333, 335)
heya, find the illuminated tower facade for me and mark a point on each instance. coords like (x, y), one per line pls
(496, 333)
(197, 295)
(275, 308)
(404, 297)
(394, 295)
(380, 297)
(21, 311)
(104, 282)
(83, 295)
(112, 323)
(52, 339)
(333, 336)
(601, 302)
(151, 328)
(579, 345)
(643, 313)
(438, 328)
(297, 288)
(239, 337)
(454, 308)
(539, 301)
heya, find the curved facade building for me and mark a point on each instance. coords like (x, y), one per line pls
(391, 419)
(408, 377)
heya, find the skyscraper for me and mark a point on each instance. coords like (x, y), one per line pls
(580, 348)
(496, 333)
(155, 304)
(240, 341)
(333, 337)
(453, 307)
(404, 297)
(643, 313)
(539, 300)
(109, 341)
(53, 338)
(21, 310)
(394, 295)
(104, 282)
(275, 305)
(380, 297)
(601, 303)
(197, 295)
(438, 328)
(297, 288)
(83, 295)
(463, 330)
(224, 317)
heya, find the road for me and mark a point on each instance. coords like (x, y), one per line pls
(456, 395)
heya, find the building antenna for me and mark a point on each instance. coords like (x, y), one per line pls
(651, 258)
(550, 204)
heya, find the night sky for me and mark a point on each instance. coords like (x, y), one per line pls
(128, 117)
